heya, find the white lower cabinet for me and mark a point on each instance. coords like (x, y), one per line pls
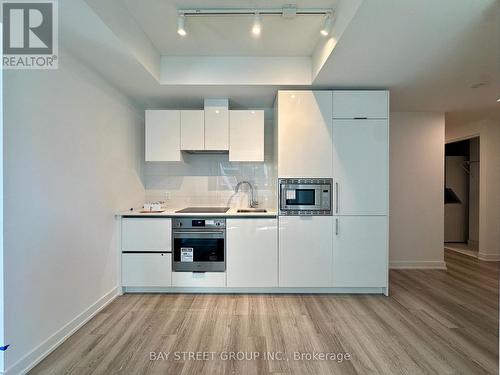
(252, 252)
(199, 279)
(360, 251)
(146, 269)
(305, 251)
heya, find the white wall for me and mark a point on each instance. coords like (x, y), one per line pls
(2, 336)
(416, 190)
(210, 179)
(73, 156)
(486, 125)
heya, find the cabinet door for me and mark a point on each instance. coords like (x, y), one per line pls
(360, 165)
(246, 135)
(192, 130)
(147, 269)
(163, 135)
(360, 251)
(360, 104)
(305, 134)
(147, 234)
(252, 252)
(216, 128)
(305, 251)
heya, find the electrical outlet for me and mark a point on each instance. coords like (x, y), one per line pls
(168, 195)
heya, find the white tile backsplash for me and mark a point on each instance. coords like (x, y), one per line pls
(209, 179)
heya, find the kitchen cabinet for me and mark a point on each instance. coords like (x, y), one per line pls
(361, 167)
(360, 251)
(351, 104)
(305, 251)
(246, 135)
(192, 130)
(168, 132)
(252, 252)
(304, 127)
(199, 279)
(147, 234)
(162, 135)
(146, 269)
(216, 128)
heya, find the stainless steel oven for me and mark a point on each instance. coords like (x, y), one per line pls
(305, 196)
(199, 244)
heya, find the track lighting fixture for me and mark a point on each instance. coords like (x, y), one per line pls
(180, 25)
(256, 28)
(327, 26)
(286, 12)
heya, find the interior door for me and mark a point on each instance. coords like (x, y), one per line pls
(360, 167)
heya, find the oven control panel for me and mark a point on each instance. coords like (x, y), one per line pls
(198, 223)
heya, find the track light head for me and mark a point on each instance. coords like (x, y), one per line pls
(327, 26)
(180, 25)
(257, 26)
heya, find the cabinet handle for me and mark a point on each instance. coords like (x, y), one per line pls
(336, 226)
(336, 197)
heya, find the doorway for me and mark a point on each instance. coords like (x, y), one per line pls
(461, 196)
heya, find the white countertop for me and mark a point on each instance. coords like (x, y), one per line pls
(170, 212)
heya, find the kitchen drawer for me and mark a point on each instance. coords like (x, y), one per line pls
(146, 269)
(147, 234)
(193, 279)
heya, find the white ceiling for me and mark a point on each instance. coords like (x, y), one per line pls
(228, 35)
(428, 53)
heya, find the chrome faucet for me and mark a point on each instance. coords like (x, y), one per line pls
(252, 202)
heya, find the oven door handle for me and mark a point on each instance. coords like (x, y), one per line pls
(200, 232)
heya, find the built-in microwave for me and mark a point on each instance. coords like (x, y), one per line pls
(305, 196)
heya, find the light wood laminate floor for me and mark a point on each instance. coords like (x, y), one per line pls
(434, 322)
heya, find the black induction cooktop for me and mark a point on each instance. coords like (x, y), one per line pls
(203, 210)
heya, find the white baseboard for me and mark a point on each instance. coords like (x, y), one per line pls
(31, 359)
(425, 265)
(276, 290)
(488, 257)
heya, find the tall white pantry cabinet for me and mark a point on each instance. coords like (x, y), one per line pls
(343, 135)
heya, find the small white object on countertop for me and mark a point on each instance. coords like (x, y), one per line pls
(154, 206)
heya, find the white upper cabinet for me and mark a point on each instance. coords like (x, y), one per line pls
(252, 252)
(146, 234)
(216, 128)
(360, 164)
(246, 135)
(360, 251)
(192, 130)
(305, 251)
(304, 121)
(163, 135)
(361, 104)
(170, 131)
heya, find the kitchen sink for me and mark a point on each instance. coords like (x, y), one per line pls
(250, 210)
